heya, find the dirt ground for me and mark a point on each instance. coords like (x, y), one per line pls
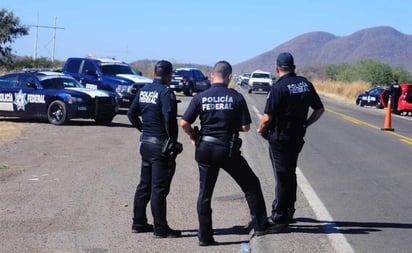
(9, 131)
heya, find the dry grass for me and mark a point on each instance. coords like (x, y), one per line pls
(9, 131)
(345, 92)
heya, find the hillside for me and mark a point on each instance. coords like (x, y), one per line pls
(318, 48)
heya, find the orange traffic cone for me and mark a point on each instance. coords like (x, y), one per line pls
(388, 118)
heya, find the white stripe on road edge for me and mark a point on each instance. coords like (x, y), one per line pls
(338, 240)
(257, 111)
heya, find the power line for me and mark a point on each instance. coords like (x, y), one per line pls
(36, 37)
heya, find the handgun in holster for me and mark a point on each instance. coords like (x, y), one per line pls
(198, 136)
(234, 144)
(169, 150)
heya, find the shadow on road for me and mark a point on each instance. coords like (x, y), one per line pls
(235, 230)
(308, 225)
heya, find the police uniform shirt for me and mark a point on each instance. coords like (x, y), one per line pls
(158, 107)
(395, 90)
(289, 100)
(221, 110)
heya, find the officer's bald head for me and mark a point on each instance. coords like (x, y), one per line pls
(163, 68)
(222, 69)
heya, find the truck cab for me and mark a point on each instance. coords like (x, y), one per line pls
(107, 74)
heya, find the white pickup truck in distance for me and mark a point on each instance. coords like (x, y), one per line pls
(260, 81)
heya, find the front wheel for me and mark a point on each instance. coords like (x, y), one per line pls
(189, 90)
(359, 103)
(57, 113)
(379, 105)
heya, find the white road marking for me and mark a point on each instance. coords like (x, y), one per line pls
(338, 240)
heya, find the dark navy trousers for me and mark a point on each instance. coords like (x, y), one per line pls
(211, 157)
(154, 185)
(284, 156)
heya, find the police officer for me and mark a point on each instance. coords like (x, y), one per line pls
(395, 90)
(157, 107)
(284, 123)
(223, 113)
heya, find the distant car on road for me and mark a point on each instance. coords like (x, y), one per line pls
(377, 96)
(189, 80)
(55, 96)
(244, 79)
(260, 81)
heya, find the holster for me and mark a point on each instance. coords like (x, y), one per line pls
(198, 136)
(234, 145)
(167, 147)
(169, 150)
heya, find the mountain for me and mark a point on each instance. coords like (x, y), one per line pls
(319, 48)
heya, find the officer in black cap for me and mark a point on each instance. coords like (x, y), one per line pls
(223, 113)
(284, 124)
(157, 106)
(395, 91)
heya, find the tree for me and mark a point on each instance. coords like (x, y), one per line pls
(374, 72)
(402, 75)
(10, 29)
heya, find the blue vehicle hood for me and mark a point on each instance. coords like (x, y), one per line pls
(91, 92)
(128, 79)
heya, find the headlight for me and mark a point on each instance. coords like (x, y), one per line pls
(122, 88)
(75, 100)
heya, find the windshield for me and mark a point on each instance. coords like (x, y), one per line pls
(261, 75)
(60, 83)
(182, 73)
(116, 69)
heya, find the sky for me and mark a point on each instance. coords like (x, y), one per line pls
(190, 31)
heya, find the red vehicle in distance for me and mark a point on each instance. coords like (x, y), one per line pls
(405, 100)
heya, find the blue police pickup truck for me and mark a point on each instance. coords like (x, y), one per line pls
(107, 74)
(54, 96)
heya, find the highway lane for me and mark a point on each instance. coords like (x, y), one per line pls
(362, 175)
(69, 194)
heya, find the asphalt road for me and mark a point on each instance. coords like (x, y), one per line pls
(70, 188)
(361, 175)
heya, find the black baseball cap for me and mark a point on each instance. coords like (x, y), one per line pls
(163, 68)
(285, 59)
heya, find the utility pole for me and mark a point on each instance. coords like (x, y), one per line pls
(36, 36)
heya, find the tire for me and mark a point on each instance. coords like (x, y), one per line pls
(359, 102)
(250, 91)
(104, 120)
(189, 90)
(57, 113)
(379, 105)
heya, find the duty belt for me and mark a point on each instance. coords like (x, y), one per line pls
(152, 140)
(215, 140)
